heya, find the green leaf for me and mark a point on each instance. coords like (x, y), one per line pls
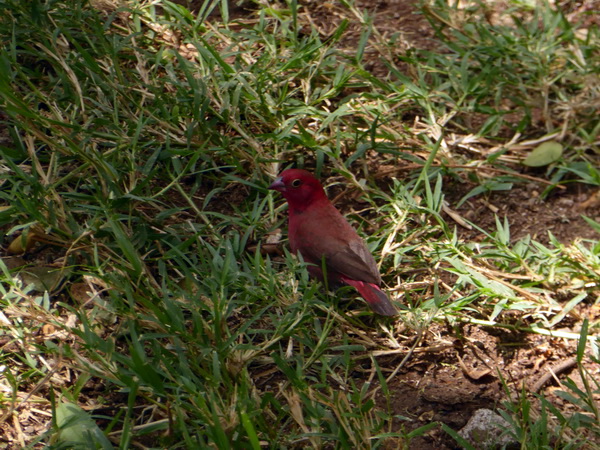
(544, 154)
(78, 429)
(44, 278)
(592, 223)
(582, 341)
(457, 437)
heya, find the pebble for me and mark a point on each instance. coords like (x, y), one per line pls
(485, 429)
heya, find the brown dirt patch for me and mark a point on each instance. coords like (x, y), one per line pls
(528, 213)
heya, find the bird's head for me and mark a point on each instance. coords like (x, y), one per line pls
(299, 187)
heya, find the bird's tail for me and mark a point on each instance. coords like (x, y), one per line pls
(375, 297)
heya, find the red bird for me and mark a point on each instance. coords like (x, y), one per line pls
(319, 232)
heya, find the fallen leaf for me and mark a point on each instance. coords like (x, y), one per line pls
(77, 428)
(21, 244)
(43, 278)
(544, 154)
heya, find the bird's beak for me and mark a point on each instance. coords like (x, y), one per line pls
(278, 185)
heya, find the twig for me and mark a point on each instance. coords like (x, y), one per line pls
(404, 360)
(553, 372)
(494, 169)
(509, 172)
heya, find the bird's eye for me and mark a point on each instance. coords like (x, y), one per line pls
(297, 182)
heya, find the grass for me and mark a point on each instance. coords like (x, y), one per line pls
(137, 145)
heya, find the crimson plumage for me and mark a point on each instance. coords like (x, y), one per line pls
(319, 232)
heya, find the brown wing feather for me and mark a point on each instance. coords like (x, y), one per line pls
(356, 262)
(345, 252)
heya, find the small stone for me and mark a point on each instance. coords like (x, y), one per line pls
(565, 201)
(486, 429)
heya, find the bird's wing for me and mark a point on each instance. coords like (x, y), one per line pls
(354, 261)
(329, 235)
